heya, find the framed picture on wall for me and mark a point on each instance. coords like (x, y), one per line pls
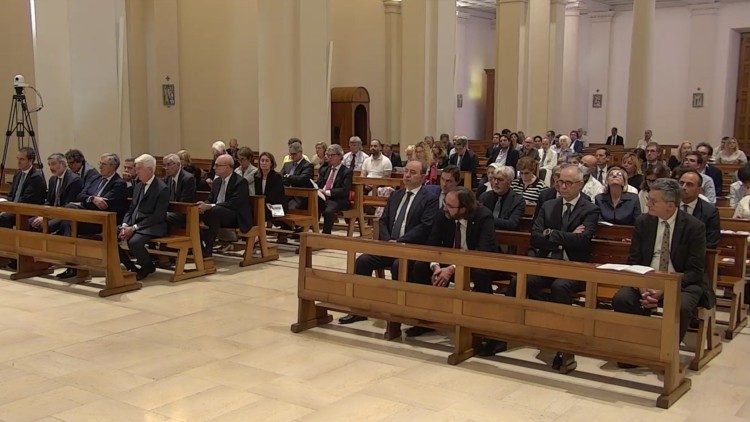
(697, 99)
(167, 91)
(597, 101)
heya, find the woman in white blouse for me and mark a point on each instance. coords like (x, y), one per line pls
(731, 154)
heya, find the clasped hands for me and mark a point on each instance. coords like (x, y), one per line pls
(442, 276)
(650, 298)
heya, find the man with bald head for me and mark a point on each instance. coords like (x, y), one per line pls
(228, 206)
(591, 186)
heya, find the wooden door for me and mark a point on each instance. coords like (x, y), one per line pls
(742, 113)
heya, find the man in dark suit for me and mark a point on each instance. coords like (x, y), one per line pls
(464, 224)
(707, 151)
(181, 186)
(128, 176)
(505, 155)
(668, 240)
(690, 185)
(64, 187)
(465, 159)
(77, 164)
(297, 173)
(392, 155)
(576, 143)
(146, 218)
(407, 218)
(493, 148)
(614, 138)
(228, 206)
(28, 185)
(507, 206)
(550, 193)
(108, 194)
(334, 184)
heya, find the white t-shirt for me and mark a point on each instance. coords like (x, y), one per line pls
(377, 167)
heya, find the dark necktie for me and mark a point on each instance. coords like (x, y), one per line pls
(396, 230)
(172, 189)
(544, 156)
(19, 188)
(664, 252)
(599, 178)
(57, 191)
(457, 236)
(685, 208)
(566, 216)
(498, 206)
(101, 187)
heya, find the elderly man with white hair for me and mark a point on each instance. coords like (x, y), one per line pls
(146, 218)
(507, 205)
(354, 159)
(217, 148)
(181, 186)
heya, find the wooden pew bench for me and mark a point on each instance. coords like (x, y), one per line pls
(308, 219)
(732, 278)
(35, 251)
(585, 331)
(257, 235)
(707, 345)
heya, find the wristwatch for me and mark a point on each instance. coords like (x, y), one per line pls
(546, 232)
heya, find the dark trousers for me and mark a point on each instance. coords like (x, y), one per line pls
(561, 290)
(175, 219)
(628, 300)
(64, 228)
(482, 279)
(366, 264)
(137, 245)
(7, 220)
(329, 208)
(216, 218)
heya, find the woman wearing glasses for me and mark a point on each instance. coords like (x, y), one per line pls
(657, 171)
(615, 205)
(528, 185)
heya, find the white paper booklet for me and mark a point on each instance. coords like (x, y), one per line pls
(638, 269)
(320, 194)
(276, 210)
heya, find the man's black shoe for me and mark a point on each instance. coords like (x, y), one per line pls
(349, 319)
(68, 273)
(144, 272)
(492, 347)
(417, 331)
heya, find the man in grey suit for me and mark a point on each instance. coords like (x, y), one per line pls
(407, 218)
(297, 173)
(146, 218)
(181, 186)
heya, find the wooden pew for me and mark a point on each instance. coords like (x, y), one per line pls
(375, 200)
(732, 273)
(185, 239)
(728, 173)
(708, 343)
(87, 254)
(257, 235)
(466, 177)
(586, 331)
(725, 212)
(356, 214)
(308, 219)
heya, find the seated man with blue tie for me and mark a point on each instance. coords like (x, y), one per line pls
(181, 186)
(106, 194)
(28, 185)
(506, 204)
(146, 218)
(407, 218)
(336, 182)
(228, 205)
(64, 187)
(668, 239)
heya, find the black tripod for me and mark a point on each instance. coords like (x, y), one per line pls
(20, 123)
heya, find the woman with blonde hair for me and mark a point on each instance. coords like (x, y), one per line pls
(685, 147)
(423, 154)
(731, 154)
(632, 166)
(319, 159)
(439, 155)
(409, 152)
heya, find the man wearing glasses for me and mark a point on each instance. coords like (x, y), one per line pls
(181, 186)
(228, 205)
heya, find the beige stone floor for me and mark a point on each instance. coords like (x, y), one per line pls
(220, 348)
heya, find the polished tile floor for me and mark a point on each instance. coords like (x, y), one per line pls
(220, 348)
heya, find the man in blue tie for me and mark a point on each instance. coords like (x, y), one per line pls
(407, 218)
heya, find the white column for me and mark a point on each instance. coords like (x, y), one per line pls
(537, 100)
(393, 71)
(701, 72)
(428, 69)
(556, 50)
(315, 103)
(639, 79)
(570, 71)
(599, 64)
(510, 15)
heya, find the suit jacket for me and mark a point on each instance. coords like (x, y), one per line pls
(687, 251)
(512, 211)
(274, 191)
(301, 175)
(236, 198)
(550, 193)
(419, 220)
(628, 209)
(577, 146)
(717, 177)
(618, 140)
(34, 189)
(708, 214)
(149, 210)
(185, 187)
(342, 184)
(480, 231)
(510, 160)
(69, 190)
(468, 163)
(396, 159)
(88, 174)
(115, 192)
(576, 245)
(491, 151)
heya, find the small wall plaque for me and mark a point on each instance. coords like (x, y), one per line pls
(596, 102)
(167, 91)
(697, 99)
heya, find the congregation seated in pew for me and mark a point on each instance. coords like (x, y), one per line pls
(739, 189)
(506, 204)
(334, 185)
(181, 186)
(64, 186)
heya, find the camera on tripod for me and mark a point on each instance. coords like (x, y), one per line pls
(19, 82)
(19, 122)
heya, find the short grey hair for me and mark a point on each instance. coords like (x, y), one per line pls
(578, 170)
(147, 160)
(355, 140)
(669, 188)
(461, 141)
(219, 146)
(113, 159)
(59, 158)
(335, 149)
(295, 147)
(507, 172)
(172, 158)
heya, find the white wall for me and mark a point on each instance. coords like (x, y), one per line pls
(475, 51)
